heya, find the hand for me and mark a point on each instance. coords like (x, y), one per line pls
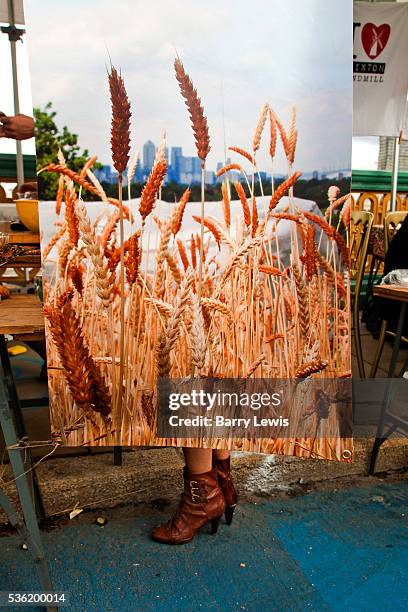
(19, 127)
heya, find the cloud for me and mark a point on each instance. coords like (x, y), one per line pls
(239, 54)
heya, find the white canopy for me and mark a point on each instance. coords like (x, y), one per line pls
(18, 11)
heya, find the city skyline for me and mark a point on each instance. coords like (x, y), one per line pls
(186, 170)
(238, 62)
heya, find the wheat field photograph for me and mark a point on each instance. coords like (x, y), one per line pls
(205, 234)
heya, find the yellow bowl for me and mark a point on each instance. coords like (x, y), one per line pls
(27, 211)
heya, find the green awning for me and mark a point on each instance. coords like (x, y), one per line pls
(377, 180)
(8, 167)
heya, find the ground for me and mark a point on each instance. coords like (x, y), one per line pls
(330, 550)
(307, 535)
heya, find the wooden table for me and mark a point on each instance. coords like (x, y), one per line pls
(394, 422)
(22, 263)
(19, 237)
(22, 316)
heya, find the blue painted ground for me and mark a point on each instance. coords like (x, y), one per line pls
(346, 550)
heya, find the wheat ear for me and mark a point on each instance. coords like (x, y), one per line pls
(178, 212)
(105, 280)
(150, 190)
(195, 109)
(84, 380)
(282, 189)
(256, 142)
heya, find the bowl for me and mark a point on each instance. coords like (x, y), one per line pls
(27, 211)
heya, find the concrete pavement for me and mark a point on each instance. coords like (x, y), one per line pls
(322, 551)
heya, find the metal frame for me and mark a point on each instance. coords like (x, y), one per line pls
(29, 529)
(15, 409)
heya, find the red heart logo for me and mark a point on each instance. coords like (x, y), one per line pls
(375, 38)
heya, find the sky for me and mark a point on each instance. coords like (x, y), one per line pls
(238, 54)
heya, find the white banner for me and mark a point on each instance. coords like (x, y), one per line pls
(380, 68)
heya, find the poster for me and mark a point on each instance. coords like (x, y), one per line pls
(380, 75)
(213, 267)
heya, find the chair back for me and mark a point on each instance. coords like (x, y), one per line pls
(392, 222)
(361, 222)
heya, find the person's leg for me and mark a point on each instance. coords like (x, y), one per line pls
(198, 460)
(202, 500)
(222, 463)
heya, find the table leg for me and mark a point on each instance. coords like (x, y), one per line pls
(397, 340)
(379, 438)
(23, 488)
(11, 388)
(18, 419)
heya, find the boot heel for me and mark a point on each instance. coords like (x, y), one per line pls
(229, 513)
(214, 524)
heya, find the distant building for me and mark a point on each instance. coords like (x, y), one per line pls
(174, 170)
(138, 178)
(190, 170)
(149, 153)
(209, 178)
(105, 174)
(386, 154)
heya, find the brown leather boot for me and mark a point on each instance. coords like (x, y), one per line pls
(223, 467)
(202, 501)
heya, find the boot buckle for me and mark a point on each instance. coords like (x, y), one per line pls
(194, 490)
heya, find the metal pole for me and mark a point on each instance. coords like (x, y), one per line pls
(394, 177)
(13, 47)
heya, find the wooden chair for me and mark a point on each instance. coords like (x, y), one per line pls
(392, 223)
(360, 227)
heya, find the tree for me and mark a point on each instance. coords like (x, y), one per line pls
(48, 138)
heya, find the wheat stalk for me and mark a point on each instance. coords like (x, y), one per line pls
(226, 208)
(150, 190)
(272, 134)
(227, 168)
(120, 125)
(178, 212)
(282, 189)
(70, 217)
(183, 255)
(244, 202)
(84, 380)
(255, 366)
(197, 334)
(195, 109)
(243, 153)
(76, 178)
(256, 142)
(105, 280)
(311, 367)
(301, 292)
(212, 227)
(168, 338)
